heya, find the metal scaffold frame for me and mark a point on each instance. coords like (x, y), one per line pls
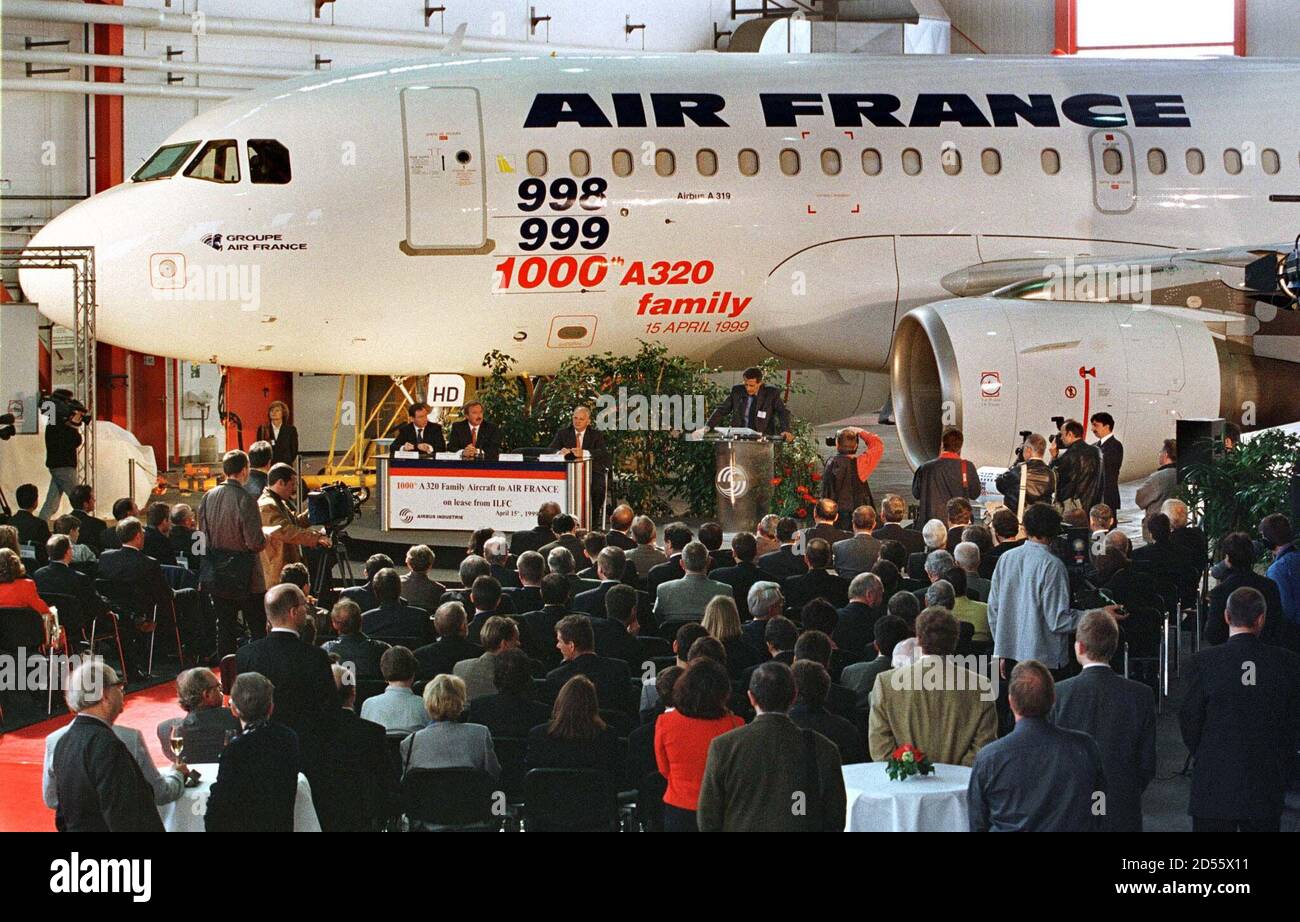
(81, 260)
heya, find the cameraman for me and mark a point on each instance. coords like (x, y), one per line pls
(1038, 479)
(62, 439)
(1078, 465)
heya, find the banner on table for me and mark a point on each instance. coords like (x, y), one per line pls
(467, 495)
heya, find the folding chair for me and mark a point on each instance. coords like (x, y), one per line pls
(570, 800)
(450, 800)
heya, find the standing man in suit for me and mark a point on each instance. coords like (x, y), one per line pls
(1241, 722)
(756, 406)
(1118, 713)
(259, 466)
(858, 554)
(257, 781)
(230, 572)
(686, 598)
(98, 785)
(417, 433)
(1112, 457)
(474, 437)
(1040, 777)
(945, 477)
(580, 440)
(753, 772)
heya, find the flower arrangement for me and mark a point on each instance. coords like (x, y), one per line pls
(906, 761)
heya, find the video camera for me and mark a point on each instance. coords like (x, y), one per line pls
(1055, 438)
(60, 406)
(335, 505)
(1020, 449)
(7, 427)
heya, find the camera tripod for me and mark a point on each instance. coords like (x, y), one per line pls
(336, 555)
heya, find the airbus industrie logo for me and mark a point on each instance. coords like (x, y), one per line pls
(214, 241)
(732, 482)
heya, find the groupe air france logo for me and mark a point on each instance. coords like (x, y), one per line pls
(214, 241)
(732, 482)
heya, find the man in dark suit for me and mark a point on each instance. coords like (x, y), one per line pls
(615, 632)
(530, 567)
(744, 573)
(1040, 777)
(1241, 722)
(257, 781)
(825, 514)
(784, 562)
(763, 602)
(676, 536)
(157, 543)
(181, 537)
(392, 617)
(1239, 551)
(859, 553)
(581, 440)
(576, 642)
(352, 644)
(486, 597)
(610, 563)
(99, 786)
(130, 567)
(541, 621)
(450, 648)
(893, 509)
(1112, 457)
(362, 779)
(710, 535)
(58, 578)
(496, 551)
(818, 582)
(513, 710)
(753, 773)
(1118, 713)
(855, 630)
(207, 723)
(364, 595)
(537, 536)
(474, 437)
(564, 527)
(620, 524)
(260, 456)
(418, 434)
(754, 406)
(31, 530)
(92, 528)
(305, 699)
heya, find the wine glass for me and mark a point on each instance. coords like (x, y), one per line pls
(177, 741)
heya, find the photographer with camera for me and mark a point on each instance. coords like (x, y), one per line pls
(232, 540)
(63, 417)
(1080, 477)
(1029, 480)
(292, 532)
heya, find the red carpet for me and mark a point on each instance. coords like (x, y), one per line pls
(22, 752)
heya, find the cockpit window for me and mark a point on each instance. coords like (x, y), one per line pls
(268, 162)
(217, 162)
(165, 161)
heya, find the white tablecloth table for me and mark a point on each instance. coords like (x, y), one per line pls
(930, 803)
(186, 814)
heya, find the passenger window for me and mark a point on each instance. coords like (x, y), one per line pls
(1157, 163)
(268, 162)
(579, 163)
(991, 160)
(1051, 161)
(622, 163)
(165, 161)
(536, 163)
(706, 162)
(950, 157)
(831, 164)
(912, 161)
(1112, 161)
(790, 162)
(665, 162)
(1232, 161)
(748, 162)
(872, 164)
(217, 162)
(1195, 161)
(1271, 161)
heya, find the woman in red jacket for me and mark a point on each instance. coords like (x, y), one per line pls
(18, 592)
(683, 734)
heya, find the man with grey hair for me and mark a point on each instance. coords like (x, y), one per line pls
(561, 560)
(967, 556)
(181, 537)
(764, 602)
(935, 535)
(1189, 539)
(937, 563)
(93, 777)
(765, 535)
(418, 588)
(257, 783)
(206, 721)
(452, 645)
(855, 629)
(1032, 474)
(685, 599)
(646, 554)
(305, 698)
(496, 550)
(940, 595)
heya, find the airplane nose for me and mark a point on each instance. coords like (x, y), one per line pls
(51, 288)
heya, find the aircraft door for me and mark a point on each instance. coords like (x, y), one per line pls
(1114, 176)
(446, 184)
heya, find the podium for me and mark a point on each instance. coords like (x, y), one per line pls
(742, 480)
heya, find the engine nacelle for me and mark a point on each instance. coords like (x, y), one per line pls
(994, 367)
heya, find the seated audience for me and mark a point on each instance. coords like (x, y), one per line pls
(966, 609)
(257, 781)
(364, 595)
(207, 725)
(576, 736)
(764, 601)
(446, 742)
(783, 562)
(527, 595)
(645, 555)
(181, 537)
(611, 677)
(616, 633)
(33, 531)
(765, 535)
(418, 588)
(397, 707)
(859, 678)
(818, 582)
(352, 645)
(1239, 553)
(157, 534)
(17, 591)
(499, 634)
(710, 536)
(855, 621)
(858, 554)
(676, 536)
(496, 551)
(451, 647)
(966, 555)
(513, 710)
(817, 646)
(538, 535)
(743, 573)
(684, 599)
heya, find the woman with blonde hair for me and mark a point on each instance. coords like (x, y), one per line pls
(280, 433)
(447, 743)
(722, 621)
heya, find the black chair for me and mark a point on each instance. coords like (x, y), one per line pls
(669, 626)
(618, 721)
(650, 802)
(653, 647)
(126, 600)
(570, 800)
(511, 753)
(228, 672)
(451, 800)
(24, 629)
